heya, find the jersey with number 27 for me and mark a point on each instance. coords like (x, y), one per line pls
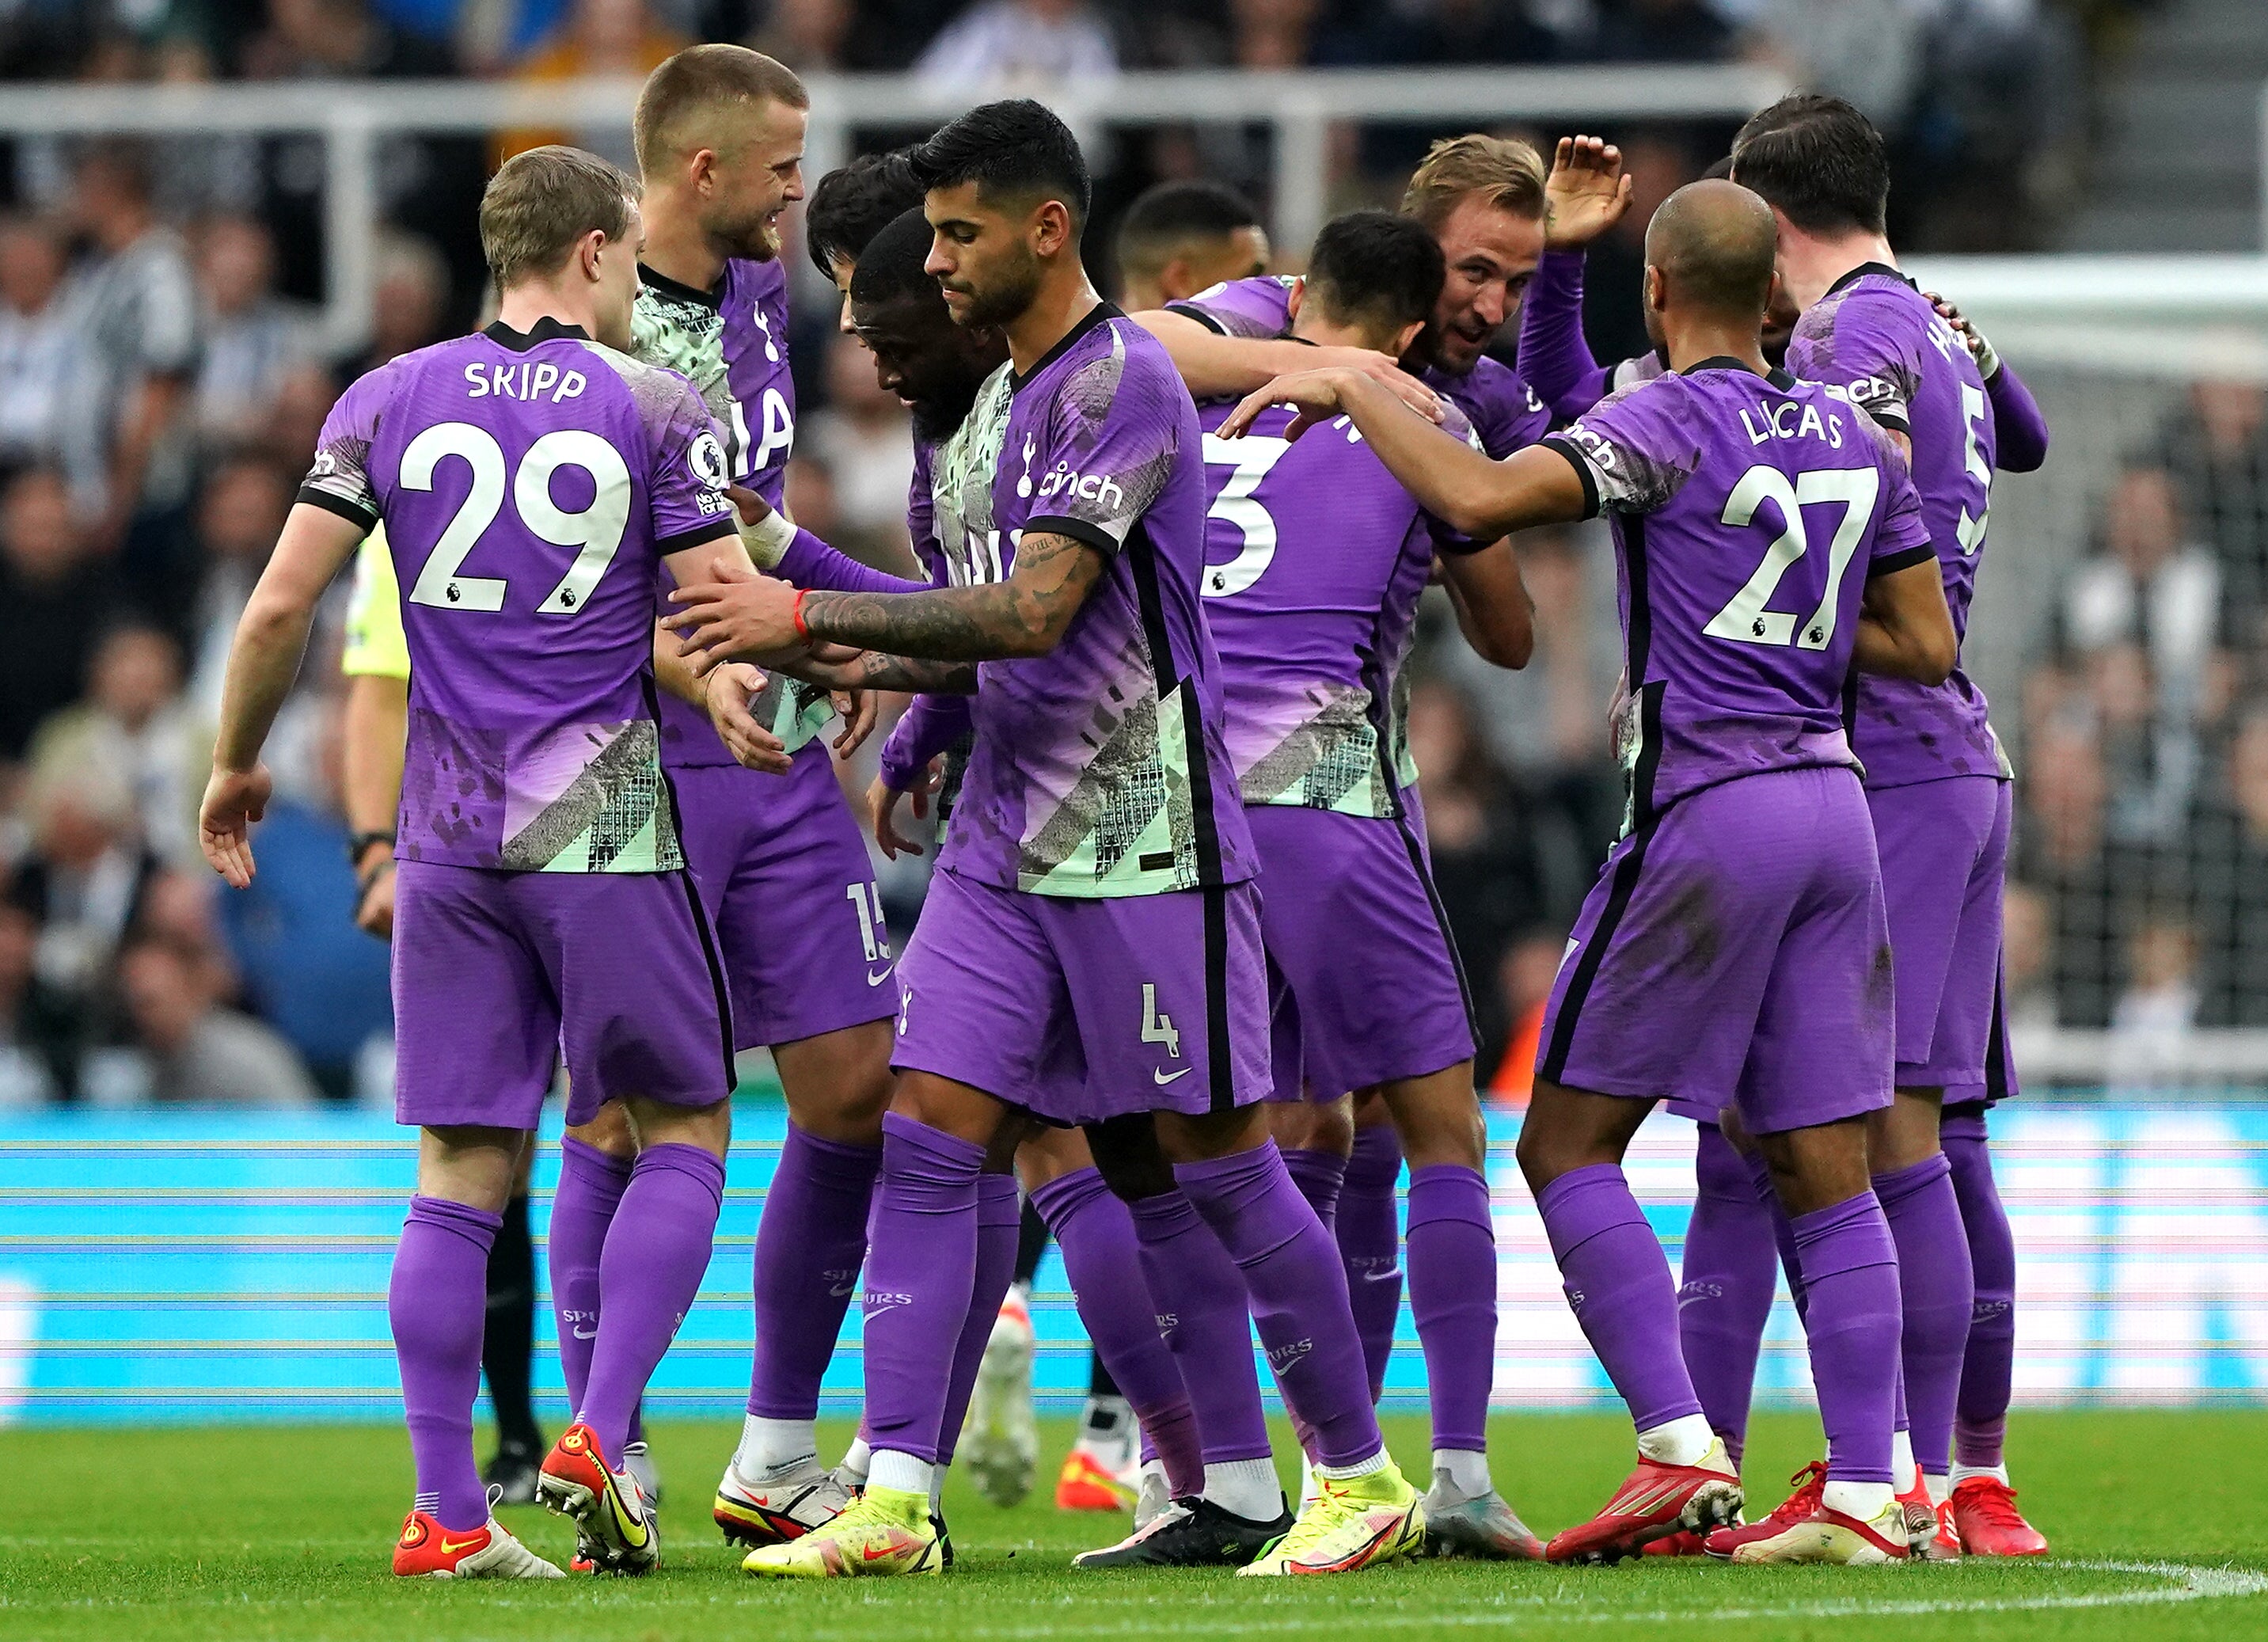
(1875, 337)
(1749, 513)
(530, 486)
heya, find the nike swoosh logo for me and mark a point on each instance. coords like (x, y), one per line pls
(451, 1547)
(1393, 1276)
(1162, 1077)
(582, 1334)
(873, 979)
(841, 1293)
(875, 1553)
(634, 1534)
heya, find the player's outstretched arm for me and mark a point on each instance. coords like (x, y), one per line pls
(1213, 366)
(1905, 631)
(262, 662)
(1457, 484)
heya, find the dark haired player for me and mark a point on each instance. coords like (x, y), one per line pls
(1315, 559)
(848, 207)
(1179, 238)
(1090, 951)
(1739, 921)
(1730, 1260)
(1939, 789)
(544, 911)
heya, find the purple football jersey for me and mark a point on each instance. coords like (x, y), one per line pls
(530, 487)
(1099, 768)
(1739, 503)
(1501, 409)
(1315, 557)
(1875, 337)
(730, 344)
(933, 723)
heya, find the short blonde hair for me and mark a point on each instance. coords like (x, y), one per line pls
(541, 203)
(1507, 171)
(699, 78)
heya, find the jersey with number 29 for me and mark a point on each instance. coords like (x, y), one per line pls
(530, 486)
(1749, 513)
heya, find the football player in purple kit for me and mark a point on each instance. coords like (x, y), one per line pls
(1090, 951)
(1730, 1254)
(1482, 198)
(1317, 559)
(543, 909)
(1739, 921)
(1937, 783)
(782, 871)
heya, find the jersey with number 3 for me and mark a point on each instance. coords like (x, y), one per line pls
(1314, 560)
(530, 486)
(1748, 513)
(1875, 337)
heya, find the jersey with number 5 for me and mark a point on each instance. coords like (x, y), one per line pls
(1875, 337)
(1314, 560)
(1749, 513)
(530, 485)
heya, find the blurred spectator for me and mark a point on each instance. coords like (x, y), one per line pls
(303, 400)
(193, 1051)
(1866, 52)
(410, 302)
(253, 338)
(56, 597)
(1002, 44)
(134, 721)
(40, 1034)
(38, 345)
(86, 877)
(339, 39)
(811, 499)
(864, 440)
(1271, 33)
(2138, 628)
(2216, 446)
(2232, 877)
(808, 35)
(1524, 977)
(239, 515)
(2028, 977)
(1483, 852)
(135, 312)
(2157, 1009)
(620, 37)
(306, 969)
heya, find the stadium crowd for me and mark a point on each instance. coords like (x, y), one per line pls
(162, 385)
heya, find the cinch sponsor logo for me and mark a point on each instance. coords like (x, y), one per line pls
(1100, 489)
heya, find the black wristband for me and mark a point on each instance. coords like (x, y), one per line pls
(357, 843)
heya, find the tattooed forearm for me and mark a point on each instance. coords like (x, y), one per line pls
(1024, 616)
(906, 672)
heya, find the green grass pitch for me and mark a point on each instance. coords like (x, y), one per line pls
(251, 1531)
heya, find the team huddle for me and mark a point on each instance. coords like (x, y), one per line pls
(1181, 979)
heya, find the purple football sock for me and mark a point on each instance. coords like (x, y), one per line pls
(1617, 1281)
(1938, 1295)
(1198, 1297)
(1320, 1175)
(656, 1255)
(1370, 1245)
(1988, 1362)
(810, 1242)
(1104, 1264)
(999, 1224)
(921, 1273)
(1851, 1272)
(591, 1185)
(1724, 1295)
(1452, 1296)
(438, 1301)
(1297, 1289)
(1783, 1230)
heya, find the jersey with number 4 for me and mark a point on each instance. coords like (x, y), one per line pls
(1749, 513)
(1875, 337)
(530, 486)
(1314, 560)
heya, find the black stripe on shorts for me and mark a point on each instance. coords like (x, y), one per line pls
(1553, 1066)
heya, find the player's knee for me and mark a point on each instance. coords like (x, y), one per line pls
(609, 1131)
(661, 1123)
(1128, 1155)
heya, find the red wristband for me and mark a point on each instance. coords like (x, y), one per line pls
(802, 631)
